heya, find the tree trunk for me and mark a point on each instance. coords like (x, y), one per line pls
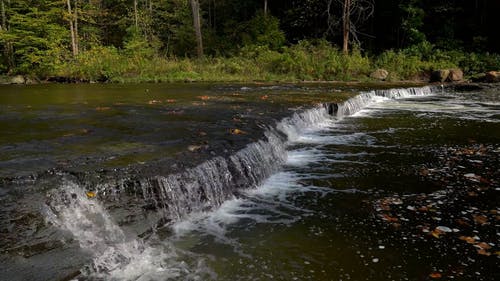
(4, 17)
(77, 43)
(346, 26)
(136, 16)
(265, 7)
(72, 29)
(195, 7)
(8, 48)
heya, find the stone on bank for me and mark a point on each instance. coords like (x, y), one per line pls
(380, 74)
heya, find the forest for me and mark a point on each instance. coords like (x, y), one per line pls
(251, 40)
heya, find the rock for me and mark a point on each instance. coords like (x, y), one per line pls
(492, 77)
(456, 75)
(18, 79)
(31, 81)
(194, 148)
(440, 75)
(379, 74)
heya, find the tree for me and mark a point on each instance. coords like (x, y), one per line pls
(38, 38)
(195, 7)
(73, 25)
(354, 13)
(8, 50)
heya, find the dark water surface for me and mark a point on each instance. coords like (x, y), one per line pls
(389, 188)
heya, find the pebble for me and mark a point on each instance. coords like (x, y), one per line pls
(444, 228)
(375, 260)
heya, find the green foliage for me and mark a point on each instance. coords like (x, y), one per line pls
(413, 21)
(264, 30)
(474, 63)
(97, 64)
(136, 44)
(38, 40)
(35, 40)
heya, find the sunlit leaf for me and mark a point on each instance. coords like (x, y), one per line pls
(435, 275)
(483, 252)
(480, 219)
(237, 132)
(468, 239)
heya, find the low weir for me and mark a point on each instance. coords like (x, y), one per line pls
(106, 219)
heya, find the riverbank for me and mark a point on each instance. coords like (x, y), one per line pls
(301, 62)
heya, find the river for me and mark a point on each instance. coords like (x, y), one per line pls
(248, 182)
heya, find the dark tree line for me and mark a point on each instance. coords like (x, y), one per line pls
(34, 33)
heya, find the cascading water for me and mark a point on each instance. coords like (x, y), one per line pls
(360, 101)
(199, 189)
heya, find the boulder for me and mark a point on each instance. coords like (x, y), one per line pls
(379, 74)
(492, 77)
(440, 75)
(456, 75)
(18, 79)
(31, 81)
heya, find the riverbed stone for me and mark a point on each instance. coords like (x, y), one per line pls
(440, 75)
(18, 79)
(492, 77)
(455, 75)
(380, 74)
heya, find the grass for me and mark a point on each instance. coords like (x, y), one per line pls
(305, 61)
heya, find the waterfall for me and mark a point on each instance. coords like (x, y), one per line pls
(201, 188)
(360, 101)
(208, 185)
(116, 256)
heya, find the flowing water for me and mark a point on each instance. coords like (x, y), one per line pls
(277, 183)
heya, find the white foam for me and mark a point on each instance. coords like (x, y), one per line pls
(115, 256)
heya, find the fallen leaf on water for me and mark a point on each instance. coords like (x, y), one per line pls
(389, 218)
(483, 252)
(435, 275)
(102, 108)
(264, 97)
(483, 245)
(154, 101)
(170, 100)
(472, 194)
(480, 219)
(204, 97)
(437, 233)
(462, 222)
(423, 209)
(237, 132)
(467, 239)
(424, 172)
(90, 194)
